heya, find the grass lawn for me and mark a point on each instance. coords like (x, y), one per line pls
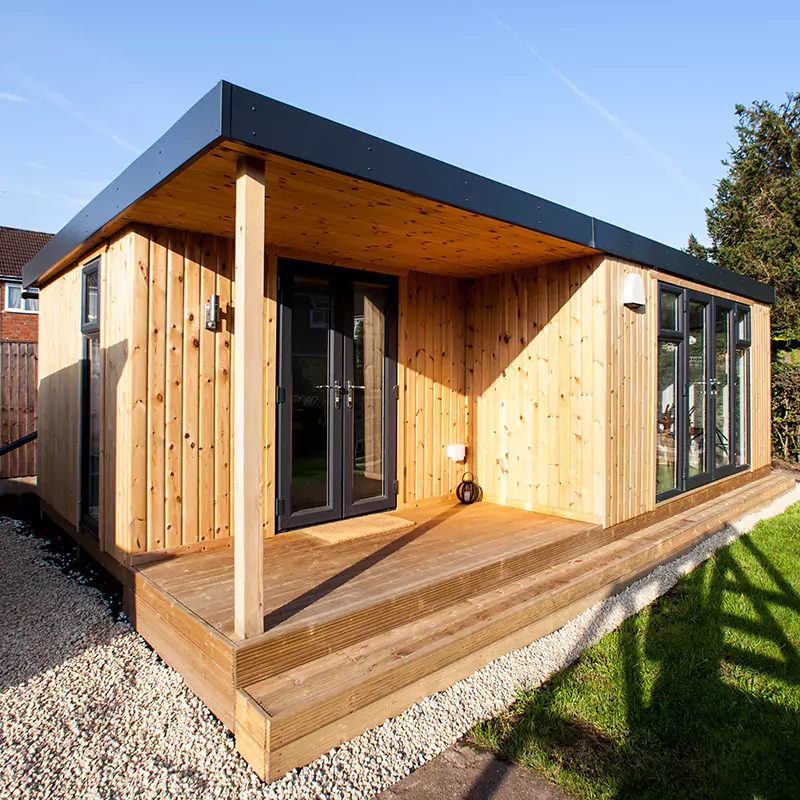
(696, 696)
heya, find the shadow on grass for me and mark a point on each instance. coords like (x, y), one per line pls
(696, 696)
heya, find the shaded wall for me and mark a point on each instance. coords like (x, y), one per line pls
(538, 387)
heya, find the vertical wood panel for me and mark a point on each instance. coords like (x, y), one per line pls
(173, 432)
(538, 437)
(18, 405)
(206, 408)
(190, 461)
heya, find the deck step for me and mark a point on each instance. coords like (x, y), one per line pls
(295, 641)
(321, 703)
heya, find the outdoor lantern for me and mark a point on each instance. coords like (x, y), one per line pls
(468, 491)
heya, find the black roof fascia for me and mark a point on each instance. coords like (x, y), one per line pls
(232, 112)
(283, 129)
(199, 129)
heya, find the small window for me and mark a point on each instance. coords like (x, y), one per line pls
(669, 311)
(16, 301)
(742, 326)
(90, 306)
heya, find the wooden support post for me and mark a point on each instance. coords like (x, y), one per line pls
(248, 399)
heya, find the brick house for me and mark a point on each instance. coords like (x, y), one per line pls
(19, 316)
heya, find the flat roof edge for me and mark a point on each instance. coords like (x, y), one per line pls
(230, 112)
(195, 132)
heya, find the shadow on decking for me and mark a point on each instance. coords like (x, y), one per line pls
(694, 730)
(329, 585)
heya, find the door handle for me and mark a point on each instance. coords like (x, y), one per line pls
(350, 388)
(337, 392)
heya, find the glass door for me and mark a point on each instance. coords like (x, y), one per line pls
(369, 415)
(336, 410)
(698, 381)
(702, 428)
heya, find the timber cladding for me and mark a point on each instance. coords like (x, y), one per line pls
(542, 372)
(538, 387)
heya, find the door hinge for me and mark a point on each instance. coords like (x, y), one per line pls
(396, 392)
(280, 395)
(396, 487)
(279, 506)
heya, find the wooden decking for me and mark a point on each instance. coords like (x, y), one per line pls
(357, 631)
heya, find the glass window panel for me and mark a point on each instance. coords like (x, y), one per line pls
(95, 405)
(669, 311)
(666, 450)
(697, 388)
(30, 303)
(722, 388)
(743, 324)
(91, 297)
(740, 418)
(311, 373)
(369, 353)
(13, 298)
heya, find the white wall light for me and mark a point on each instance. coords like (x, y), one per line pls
(633, 291)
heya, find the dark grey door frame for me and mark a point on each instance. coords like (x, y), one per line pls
(341, 370)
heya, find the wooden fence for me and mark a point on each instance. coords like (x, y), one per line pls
(18, 389)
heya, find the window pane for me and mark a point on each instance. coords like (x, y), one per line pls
(697, 388)
(743, 324)
(722, 388)
(92, 298)
(14, 297)
(312, 371)
(370, 306)
(666, 452)
(94, 430)
(31, 304)
(669, 311)
(740, 420)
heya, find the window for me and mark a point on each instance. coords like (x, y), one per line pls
(16, 302)
(703, 389)
(90, 305)
(670, 350)
(92, 395)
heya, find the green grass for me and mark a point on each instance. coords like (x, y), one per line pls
(696, 696)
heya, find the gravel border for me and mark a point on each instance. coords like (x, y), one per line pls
(88, 710)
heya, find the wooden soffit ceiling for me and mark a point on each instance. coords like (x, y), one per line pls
(343, 220)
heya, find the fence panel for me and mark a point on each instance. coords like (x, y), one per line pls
(18, 382)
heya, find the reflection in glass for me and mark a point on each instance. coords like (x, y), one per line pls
(95, 404)
(669, 311)
(666, 452)
(740, 407)
(743, 324)
(722, 388)
(92, 309)
(369, 351)
(311, 373)
(697, 388)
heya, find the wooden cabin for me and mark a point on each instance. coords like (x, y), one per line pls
(270, 350)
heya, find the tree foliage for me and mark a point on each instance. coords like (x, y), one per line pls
(754, 222)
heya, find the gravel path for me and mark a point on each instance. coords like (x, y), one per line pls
(87, 710)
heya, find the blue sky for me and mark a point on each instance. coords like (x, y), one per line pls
(620, 110)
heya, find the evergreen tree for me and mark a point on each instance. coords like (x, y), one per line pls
(754, 222)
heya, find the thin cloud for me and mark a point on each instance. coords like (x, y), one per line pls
(641, 142)
(57, 197)
(33, 165)
(48, 95)
(10, 97)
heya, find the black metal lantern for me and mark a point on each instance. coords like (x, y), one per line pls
(468, 491)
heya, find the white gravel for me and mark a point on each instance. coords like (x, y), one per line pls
(87, 709)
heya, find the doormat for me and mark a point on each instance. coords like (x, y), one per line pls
(344, 530)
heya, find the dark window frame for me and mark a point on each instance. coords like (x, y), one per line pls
(92, 268)
(736, 345)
